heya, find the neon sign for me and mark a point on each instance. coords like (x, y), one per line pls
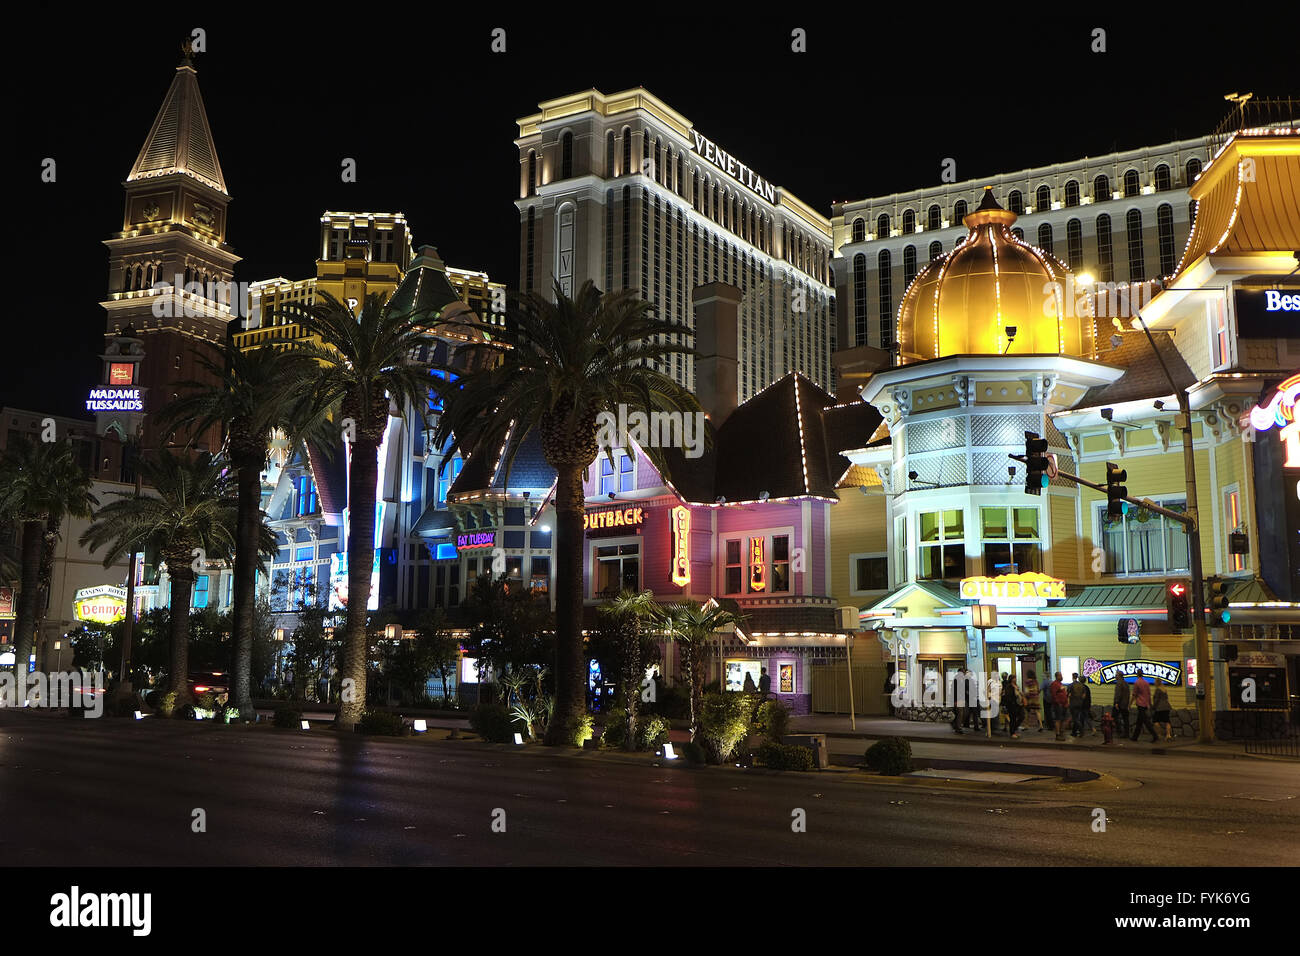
(1275, 301)
(733, 168)
(1029, 589)
(681, 535)
(102, 605)
(475, 539)
(613, 518)
(121, 373)
(1280, 411)
(114, 400)
(757, 566)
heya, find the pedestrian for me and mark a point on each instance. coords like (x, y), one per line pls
(977, 699)
(1087, 708)
(1033, 717)
(1004, 718)
(1077, 697)
(1123, 693)
(956, 690)
(1142, 701)
(748, 687)
(1013, 702)
(1060, 698)
(1160, 705)
(889, 688)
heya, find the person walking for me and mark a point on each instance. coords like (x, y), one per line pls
(1032, 692)
(1077, 696)
(1087, 708)
(956, 690)
(765, 684)
(1123, 693)
(1013, 702)
(1059, 697)
(1160, 705)
(1142, 701)
(973, 707)
(1004, 717)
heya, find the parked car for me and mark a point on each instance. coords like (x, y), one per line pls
(216, 683)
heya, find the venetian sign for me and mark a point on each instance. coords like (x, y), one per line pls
(1027, 589)
(1280, 411)
(732, 167)
(102, 605)
(1108, 672)
(681, 538)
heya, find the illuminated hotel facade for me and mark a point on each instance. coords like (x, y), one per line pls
(622, 190)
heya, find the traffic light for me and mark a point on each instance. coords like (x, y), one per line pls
(1176, 598)
(1219, 613)
(1035, 464)
(1116, 506)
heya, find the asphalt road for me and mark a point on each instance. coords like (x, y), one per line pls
(89, 793)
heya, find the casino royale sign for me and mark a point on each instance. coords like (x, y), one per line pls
(736, 170)
(1029, 589)
(114, 400)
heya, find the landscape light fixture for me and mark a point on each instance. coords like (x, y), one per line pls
(306, 725)
(669, 754)
(420, 725)
(519, 739)
(138, 715)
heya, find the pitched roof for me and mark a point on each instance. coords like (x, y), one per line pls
(1143, 376)
(425, 289)
(849, 426)
(180, 142)
(331, 477)
(1114, 595)
(486, 468)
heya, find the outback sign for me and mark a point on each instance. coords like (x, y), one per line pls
(1028, 589)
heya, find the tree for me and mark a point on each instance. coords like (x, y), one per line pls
(694, 626)
(363, 366)
(561, 364)
(625, 640)
(511, 627)
(441, 645)
(188, 516)
(256, 393)
(41, 483)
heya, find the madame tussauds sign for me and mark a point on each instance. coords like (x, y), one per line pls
(1029, 589)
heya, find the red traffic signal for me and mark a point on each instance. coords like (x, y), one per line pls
(1177, 590)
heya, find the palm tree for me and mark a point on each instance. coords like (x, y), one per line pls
(257, 392)
(189, 517)
(628, 613)
(41, 483)
(694, 625)
(561, 364)
(364, 365)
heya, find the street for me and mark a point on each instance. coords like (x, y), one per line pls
(104, 792)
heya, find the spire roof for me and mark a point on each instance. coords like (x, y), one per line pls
(180, 142)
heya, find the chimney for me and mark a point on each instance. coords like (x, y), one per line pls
(716, 307)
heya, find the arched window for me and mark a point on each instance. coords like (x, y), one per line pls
(882, 226)
(1015, 202)
(909, 222)
(529, 250)
(886, 300)
(627, 150)
(566, 155)
(936, 250)
(1163, 181)
(1072, 193)
(1101, 189)
(626, 248)
(1105, 262)
(681, 173)
(1045, 237)
(859, 299)
(659, 160)
(532, 173)
(1074, 244)
(1193, 170)
(934, 218)
(609, 154)
(1018, 233)
(695, 189)
(1136, 264)
(958, 212)
(909, 265)
(1132, 184)
(859, 230)
(1165, 227)
(1043, 199)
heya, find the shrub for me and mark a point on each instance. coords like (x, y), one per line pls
(231, 715)
(772, 720)
(184, 712)
(288, 717)
(167, 703)
(693, 753)
(615, 733)
(382, 723)
(671, 702)
(891, 756)
(124, 706)
(206, 701)
(492, 722)
(653, 731)
(776, 756)
(153, 699)
(578, 730)
(724, 722)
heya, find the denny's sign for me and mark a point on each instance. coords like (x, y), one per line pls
(613, 521)
(1030, 589)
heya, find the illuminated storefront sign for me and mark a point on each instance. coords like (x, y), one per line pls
(736, 170)
(1108, 672)
(681, 527)
(1028, 589)
(1277, 301)
(114, 400)
(121, 373)
(1280, 411)
(476, 539)
(6, 602)
(611, 518)
(757, 564)
(100, 605)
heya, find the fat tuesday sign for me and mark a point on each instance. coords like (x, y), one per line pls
(1029, 589)
(736, 170)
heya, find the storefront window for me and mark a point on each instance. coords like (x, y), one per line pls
(941, 545)
(765, 568)
(1143, 542)
(870, 573)
(611, 481)
(618, 568)
(1010, 540)
(733, 567)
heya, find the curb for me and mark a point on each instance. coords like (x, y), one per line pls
(1052, 744)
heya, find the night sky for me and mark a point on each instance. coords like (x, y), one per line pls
(428, 112)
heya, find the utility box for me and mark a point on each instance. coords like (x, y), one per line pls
(814, 742)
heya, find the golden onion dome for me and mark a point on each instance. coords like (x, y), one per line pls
(969, 301)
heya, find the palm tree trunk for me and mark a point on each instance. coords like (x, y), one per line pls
(29, 594)
(49, 542)
(182, 586)
(362, 474)
(570, 684)
(248, 524)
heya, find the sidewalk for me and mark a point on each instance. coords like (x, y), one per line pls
(876, 728)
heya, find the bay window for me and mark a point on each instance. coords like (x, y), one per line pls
(1010, 540)
(759, 563)
(1143, 542)
(941, 545)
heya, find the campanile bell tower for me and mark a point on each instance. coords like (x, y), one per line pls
(170, 268)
